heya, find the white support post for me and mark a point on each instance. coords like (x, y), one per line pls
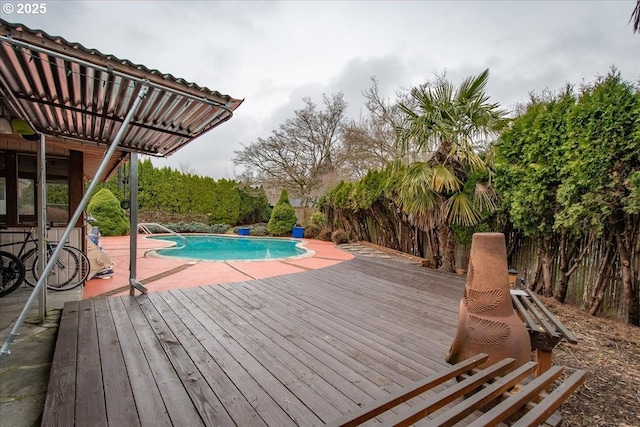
(41, 187)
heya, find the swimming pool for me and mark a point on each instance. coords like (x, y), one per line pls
(227, 248)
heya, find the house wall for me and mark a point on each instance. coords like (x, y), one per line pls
(12, 146)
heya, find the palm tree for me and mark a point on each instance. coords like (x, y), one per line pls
(449, 127)
(635, 17)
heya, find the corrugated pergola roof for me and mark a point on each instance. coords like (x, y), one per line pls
(67, 91)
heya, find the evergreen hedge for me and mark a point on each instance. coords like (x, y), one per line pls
(178, 195)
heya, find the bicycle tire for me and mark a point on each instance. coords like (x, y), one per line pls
(28, 260)
(83, 263)
(12, 272)
(64, 271)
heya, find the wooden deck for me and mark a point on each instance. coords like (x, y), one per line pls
(301, 349)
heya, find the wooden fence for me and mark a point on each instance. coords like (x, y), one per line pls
(582, 280)
(405, 238)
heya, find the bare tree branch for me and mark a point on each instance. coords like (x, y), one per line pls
(372, 141)
(302, 152)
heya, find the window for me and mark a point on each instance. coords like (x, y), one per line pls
(26, 197)
(18, 198)
(3, 197)
(57, 201)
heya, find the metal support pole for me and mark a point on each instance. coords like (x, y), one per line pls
(142, 93)
(133, 225)
(41, 186)
(133, 220)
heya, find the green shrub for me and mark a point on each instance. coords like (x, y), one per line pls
(173, 227)
(325, 235)
(339, 237)
(266, 213)
(319, 219)
(253, 205)
(284, 198)
(110, 217)
(219, 228)
(198, 227)
(258, 230)
(312, 231)
(188, 227)
(283, 216)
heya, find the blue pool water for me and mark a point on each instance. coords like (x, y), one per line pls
(219, 248)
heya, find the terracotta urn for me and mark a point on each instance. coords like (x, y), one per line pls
(487, 322)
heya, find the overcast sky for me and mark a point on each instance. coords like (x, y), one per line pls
(272, 54)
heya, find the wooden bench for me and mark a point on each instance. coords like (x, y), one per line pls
(545, 330)
(502, 393)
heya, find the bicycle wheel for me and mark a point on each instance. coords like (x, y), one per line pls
(12, 272)
(64, 271)
(83, 264)
(29, 259)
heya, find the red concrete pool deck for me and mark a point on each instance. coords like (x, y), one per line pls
(160, 273)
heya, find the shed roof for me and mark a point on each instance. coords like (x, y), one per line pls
(67, 91)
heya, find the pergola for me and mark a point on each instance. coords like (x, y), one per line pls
(102, 106)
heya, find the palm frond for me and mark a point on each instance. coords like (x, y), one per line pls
(443, 178)
(451, 126)
(461, 210)
(635, 17)
(485, 197)
(417, 172)
(416, 194)
(464, 153)
(472, 87)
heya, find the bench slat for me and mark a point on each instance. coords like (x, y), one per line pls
(401, 396)
(533, 326)
(550, 403)
(436, 402)
(519, 399)
(550, 329)
(482, 398)
(497, 389)
(559, 326)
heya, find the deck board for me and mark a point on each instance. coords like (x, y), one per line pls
(264, 379)
(204, 400)
(60, 403)
(299, 349)
(121, 410)
(311, 390)
(90, 400)
(306, 368)
(147, 397)
(373, 350)
(375, 313)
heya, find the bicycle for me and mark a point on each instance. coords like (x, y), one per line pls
(70, 270)
(11, 272)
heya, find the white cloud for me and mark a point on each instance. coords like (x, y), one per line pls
(275, 53)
